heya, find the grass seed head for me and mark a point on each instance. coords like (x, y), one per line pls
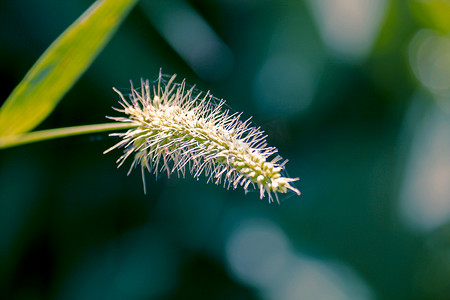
(179, 129)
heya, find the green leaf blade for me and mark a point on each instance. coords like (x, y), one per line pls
(61, 65)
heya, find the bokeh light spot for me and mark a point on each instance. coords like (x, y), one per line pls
(425, 194)
(284, 85)
(349, 27)
(256, 252)
(429, 54)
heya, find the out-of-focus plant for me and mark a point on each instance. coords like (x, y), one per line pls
(56, 71)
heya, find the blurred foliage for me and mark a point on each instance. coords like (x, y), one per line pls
(433, 14)
(60, 66)
(75, 227)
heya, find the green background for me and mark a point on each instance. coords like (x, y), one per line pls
(361, 128)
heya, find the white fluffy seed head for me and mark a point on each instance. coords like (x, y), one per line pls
(179, 128)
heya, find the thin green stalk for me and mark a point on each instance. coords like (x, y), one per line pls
(37, 136)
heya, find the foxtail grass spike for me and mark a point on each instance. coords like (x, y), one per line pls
(179, 129)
